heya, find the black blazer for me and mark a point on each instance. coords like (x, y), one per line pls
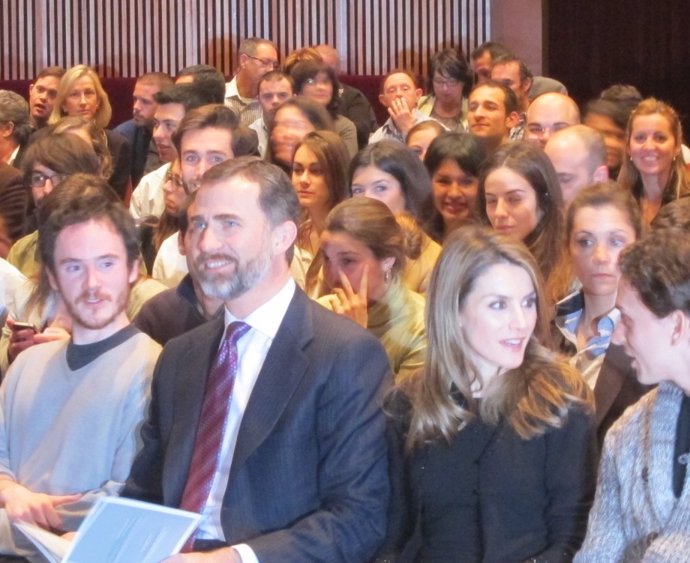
(308, 480)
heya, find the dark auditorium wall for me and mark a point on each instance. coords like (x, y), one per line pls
(592, 44)
(128, 37)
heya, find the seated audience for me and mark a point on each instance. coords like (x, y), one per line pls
(655, 173)
(207, 79)
(42, 93)
(319, 176)
(274, 88)
(492, 113)
(421, 135)
(391, 173)
(400, 95)
(317, 82)
(549, 113)
(14, 127)
(257, 56)
(519, 196)
(138, 130)
(292, 120)
(492, 449)
(512, 72)
(449, 78)
(81, 94)
(364, 252)
(352, 103)
(578, 154)
(642, 501)
(600, 222)
(14, 204)
(453, 161)
(72, 408)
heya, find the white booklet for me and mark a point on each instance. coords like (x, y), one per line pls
(118, 530)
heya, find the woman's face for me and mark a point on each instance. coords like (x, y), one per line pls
(290, 126)
(309, 181)
(454, 193)
(420, 140)
(319, 89)
(511, 203)
(81, 99)
(343, 253)
(597, 238)
(498, 318)
(446, 89)
(173, 188)
(373, 182)
(652, 146)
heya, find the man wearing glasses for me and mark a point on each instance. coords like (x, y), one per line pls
(257, 57)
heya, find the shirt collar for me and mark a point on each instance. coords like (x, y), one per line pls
(267, 317)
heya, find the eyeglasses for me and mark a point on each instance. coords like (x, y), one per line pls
(39, 179)
(176, 181)
(265, 62)
(447, 83)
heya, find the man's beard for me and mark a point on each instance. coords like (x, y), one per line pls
(119, 304)
(227, 286)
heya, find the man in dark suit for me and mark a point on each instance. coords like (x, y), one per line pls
(299, 472)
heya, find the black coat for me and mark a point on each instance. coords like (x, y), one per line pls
(491, 496)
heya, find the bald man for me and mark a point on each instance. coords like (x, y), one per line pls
(578, 154)
(549, 113)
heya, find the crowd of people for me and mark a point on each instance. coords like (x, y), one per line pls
(461, 335)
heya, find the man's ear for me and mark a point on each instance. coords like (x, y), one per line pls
(51, 279)
(512, 119)
(180, 243)
(527, 85)
(601, 174)
(243, 60)
(419, 93)
(680, 323)
(6, 129)
(382, 100)
(134, 272)
(283, 237)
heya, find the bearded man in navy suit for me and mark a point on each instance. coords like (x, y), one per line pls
(302, 470)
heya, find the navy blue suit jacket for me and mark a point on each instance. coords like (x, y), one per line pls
(308, 480)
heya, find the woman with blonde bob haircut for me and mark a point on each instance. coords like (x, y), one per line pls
(81, 93)
(493, 449)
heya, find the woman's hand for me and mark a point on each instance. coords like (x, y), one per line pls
(349, 303)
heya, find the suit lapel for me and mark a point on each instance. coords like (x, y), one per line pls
(282, 371)
(610, 381)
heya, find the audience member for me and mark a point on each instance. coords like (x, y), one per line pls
(390, 172)
(492, 114)
(495, 436)
(353, 104)
(549, 113)
(319, 176)
(14, 127)
(399, 94)
(519, 196)
(14, 204)
(302, 374)
(274, 88)
(292, 120)
(139, 130)
(453, 161)
(421, 135)
(89, 132)
(578, 154)
(256, 58)
(207, 79)
(482, 59)
(641, 507)
(318, 82)
(81, 94)
(42, 93)
(449, 75)
(172, 103)
(513, 73)
(655, 173)
(72, 408)
(601, 221)
(364, 250)
(47, 162)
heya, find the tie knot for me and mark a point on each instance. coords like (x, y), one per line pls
(235, 331)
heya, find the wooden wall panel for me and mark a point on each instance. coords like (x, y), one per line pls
(129, 37)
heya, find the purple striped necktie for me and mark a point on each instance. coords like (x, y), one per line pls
(214, 414)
